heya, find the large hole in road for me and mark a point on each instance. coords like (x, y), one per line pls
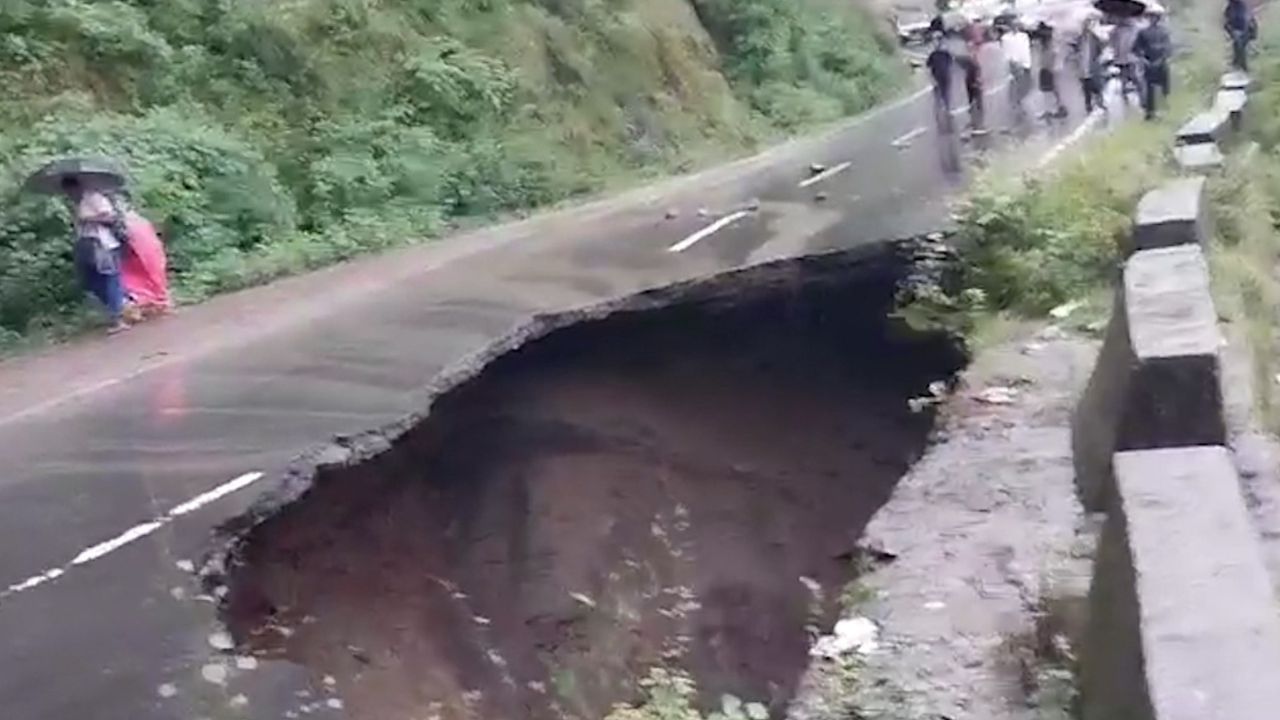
(679, 481)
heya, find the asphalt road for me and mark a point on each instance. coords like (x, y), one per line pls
(118, 457)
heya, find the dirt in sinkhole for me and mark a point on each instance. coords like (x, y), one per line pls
(682, 486)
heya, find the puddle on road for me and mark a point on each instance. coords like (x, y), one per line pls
(680, 486)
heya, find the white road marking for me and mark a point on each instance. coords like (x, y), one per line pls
(829, 172)
(999, 87)
(133, 534)
(137, 532)
(1109, 98)
(708, 231)
(908, 137)
(217, 493)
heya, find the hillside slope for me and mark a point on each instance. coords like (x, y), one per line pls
(267, 138)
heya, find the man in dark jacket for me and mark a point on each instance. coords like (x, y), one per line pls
(1241, 27)
(940, 65)
(1153, 47)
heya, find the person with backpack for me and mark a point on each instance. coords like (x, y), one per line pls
(1153, 47)
(1242, 27)
(96, 224)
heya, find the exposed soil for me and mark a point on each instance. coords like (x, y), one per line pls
(683, 486)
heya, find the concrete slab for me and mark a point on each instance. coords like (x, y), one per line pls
(1231, 101)
(1175, 213)
(1184, 620)
(1210, 126)
(1158, 379)
(1199, 157)
(1234, 80)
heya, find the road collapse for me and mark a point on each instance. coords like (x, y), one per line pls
(678, 480)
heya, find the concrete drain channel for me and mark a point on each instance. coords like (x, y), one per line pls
(678, 484)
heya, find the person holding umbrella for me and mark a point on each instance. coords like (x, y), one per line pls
(98, 228)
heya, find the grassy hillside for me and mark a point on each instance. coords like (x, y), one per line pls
(269, 137)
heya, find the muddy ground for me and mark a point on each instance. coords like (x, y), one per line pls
(684, 486)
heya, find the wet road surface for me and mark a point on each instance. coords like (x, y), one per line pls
(118, 457)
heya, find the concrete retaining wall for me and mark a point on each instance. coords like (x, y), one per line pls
(1183, 623)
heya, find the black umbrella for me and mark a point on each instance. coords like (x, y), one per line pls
(1122, 8)
(93, 174)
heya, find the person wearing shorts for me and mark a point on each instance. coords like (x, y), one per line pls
(1047, 73)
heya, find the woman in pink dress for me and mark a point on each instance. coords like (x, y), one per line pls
(144, 266)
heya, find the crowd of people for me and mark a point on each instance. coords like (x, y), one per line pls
(1134, 47)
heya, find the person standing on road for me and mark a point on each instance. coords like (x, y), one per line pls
(941, 64)
(959, 41)
(1088, 49)
(1016, 46)
(1154, 47)
(1047, 60)
(1242, 27)
(1123, 36)
(98, 248)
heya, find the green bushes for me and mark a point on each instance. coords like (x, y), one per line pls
(802, 62)
(269, 138)
(1032, 247)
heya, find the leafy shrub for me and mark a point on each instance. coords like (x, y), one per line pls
(205, 189)
(670, 695)
(267, 138)
(1032, 247)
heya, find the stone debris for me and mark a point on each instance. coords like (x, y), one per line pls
(215, 673)
(178, 593)
(997, 395)
(672, 214)
(221, 640)
(167, 690)
(244, 662)
(186, 566)
(817, 169)
(856, 634)
(239, 701)
(334, 703)
(583, 599)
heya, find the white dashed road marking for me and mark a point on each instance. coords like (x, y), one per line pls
(908, 137)
(133, 534)
(829, 172)
(708, 231)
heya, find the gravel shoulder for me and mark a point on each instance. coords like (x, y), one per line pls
(982, 556)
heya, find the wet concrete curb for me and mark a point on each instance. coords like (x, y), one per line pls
(1183, 617)
(1197, 145)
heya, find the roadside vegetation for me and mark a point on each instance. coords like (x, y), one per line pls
(1246, 199)
(270, 138)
